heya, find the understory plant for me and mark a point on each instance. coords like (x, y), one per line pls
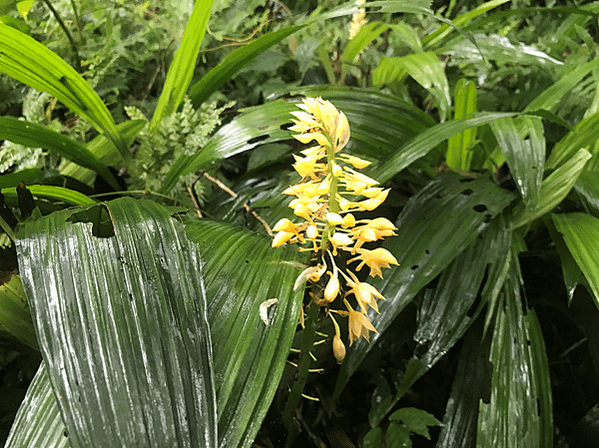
(164, 315)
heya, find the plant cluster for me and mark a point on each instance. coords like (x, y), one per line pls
(469, 177)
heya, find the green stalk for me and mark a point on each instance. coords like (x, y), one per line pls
(302, 372)
(333, 201)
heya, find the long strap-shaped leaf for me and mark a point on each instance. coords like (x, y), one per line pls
(28, 61)
(519, 412)
(121, 321)
(181, 70)
(36, 136)
(242, 271)
(38, 422)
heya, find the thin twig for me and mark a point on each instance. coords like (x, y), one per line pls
(66, 31)
(234, 195)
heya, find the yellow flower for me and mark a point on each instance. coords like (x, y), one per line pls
(359, 325)
(365, 294)
(375, 259)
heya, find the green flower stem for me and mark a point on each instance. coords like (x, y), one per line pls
(302, 371)
(333, 201)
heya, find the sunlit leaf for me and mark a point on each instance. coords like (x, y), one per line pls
(30, 62)
(117, 298)
(35, 136)
(425, 68)
(425, 141)
(525, 157)
(181, 70)
(459, 147)
(587, 187)
(234, 62)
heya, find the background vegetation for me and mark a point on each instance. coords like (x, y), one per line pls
(132, 283)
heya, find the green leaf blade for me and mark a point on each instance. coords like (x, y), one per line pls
(135, 301)
(28, 61)
(581, 234)
(181, 70)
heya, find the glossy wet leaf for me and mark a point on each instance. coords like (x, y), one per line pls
(471, 386)
(587, 187)
(38, 422)
(120, 311)
(378, 124)
(581, 235)
(436, 225)
(30, 62)
(554, 189)
(524, 156)
(15, 317)
(519, 412)
(425, 141)
(242, 271)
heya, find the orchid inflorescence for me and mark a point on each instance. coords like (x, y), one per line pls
(325, 198)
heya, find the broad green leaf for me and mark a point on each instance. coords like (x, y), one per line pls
(519, 412)
(416, 420)
(525, 157)
(554, 189)
(425, 141)
(103, 148)
(242, 271)
(581, 234)
(471, 386)
(378, 122)
(36, 136)
(53, 193)
(181, 70)
(119, 307)
(373, 438)
(443, 31)
(459, 147)
(392, 6)
(436, 225)
(587, 187)
(551, 97)
(14, 311)
(584, 135)
(397, 436)
(408, 35)
(425, 68)
(38, 422)
(28, 61)
(449, 310)
(234, 62)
